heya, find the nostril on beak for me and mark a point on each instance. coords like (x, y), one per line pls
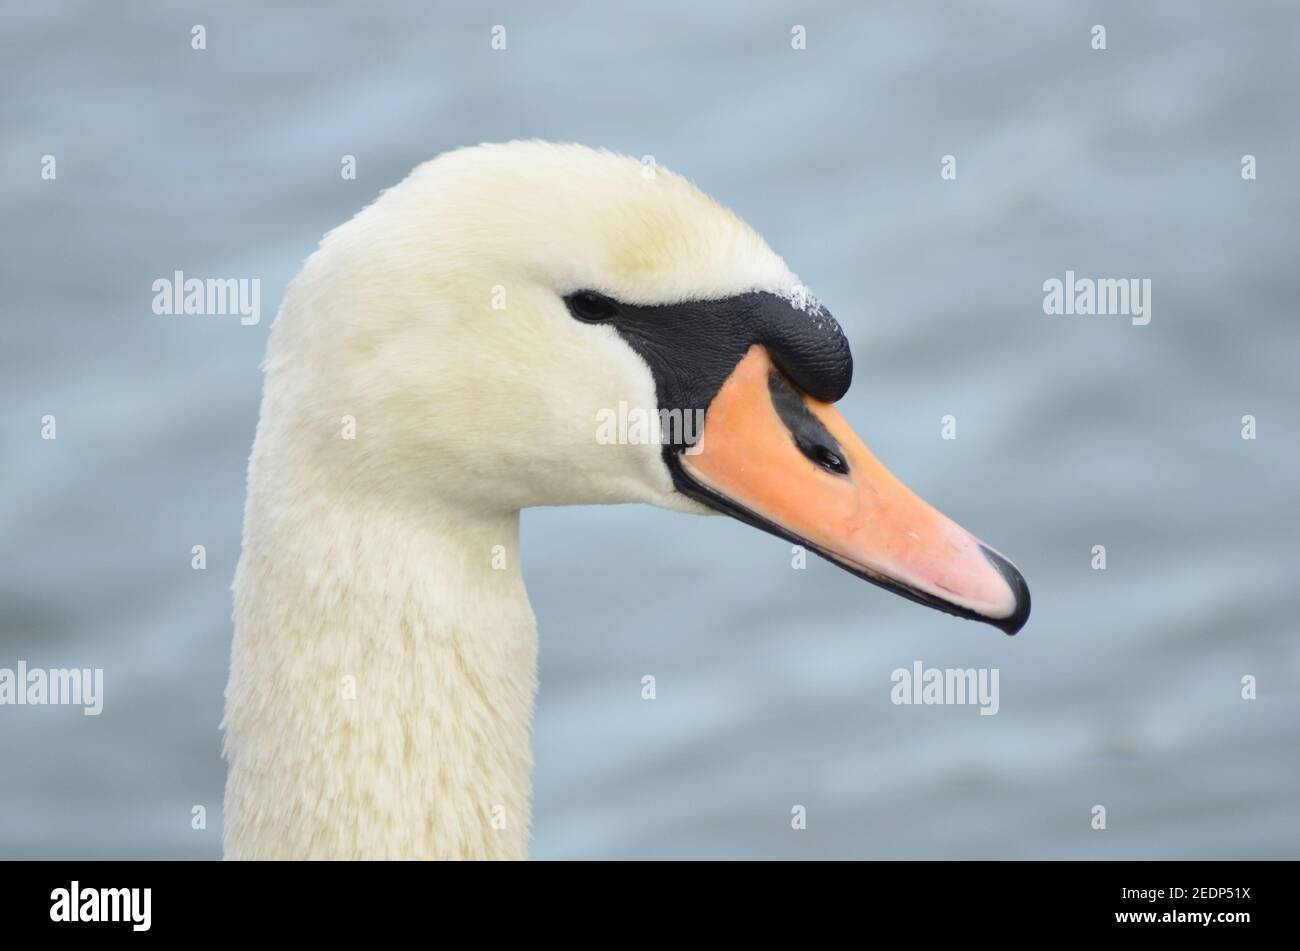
(826, 457)
(813, 439)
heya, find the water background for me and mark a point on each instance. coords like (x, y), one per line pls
(773, 684)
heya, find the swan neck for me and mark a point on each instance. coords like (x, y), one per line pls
(382, 680)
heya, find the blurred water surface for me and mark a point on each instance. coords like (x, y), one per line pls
(773, 684)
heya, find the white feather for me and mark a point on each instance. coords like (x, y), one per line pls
(384, 663)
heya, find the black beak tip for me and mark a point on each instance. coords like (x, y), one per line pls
(1012, 623)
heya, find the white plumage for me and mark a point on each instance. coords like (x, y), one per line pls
(384, 659)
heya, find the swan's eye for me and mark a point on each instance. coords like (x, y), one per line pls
(591, 307)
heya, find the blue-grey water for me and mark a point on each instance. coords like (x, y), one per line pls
(773, 685)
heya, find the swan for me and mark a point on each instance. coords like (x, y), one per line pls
(439, 363)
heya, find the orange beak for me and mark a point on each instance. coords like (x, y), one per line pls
(774, 457)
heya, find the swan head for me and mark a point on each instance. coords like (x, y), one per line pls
(535, 324)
